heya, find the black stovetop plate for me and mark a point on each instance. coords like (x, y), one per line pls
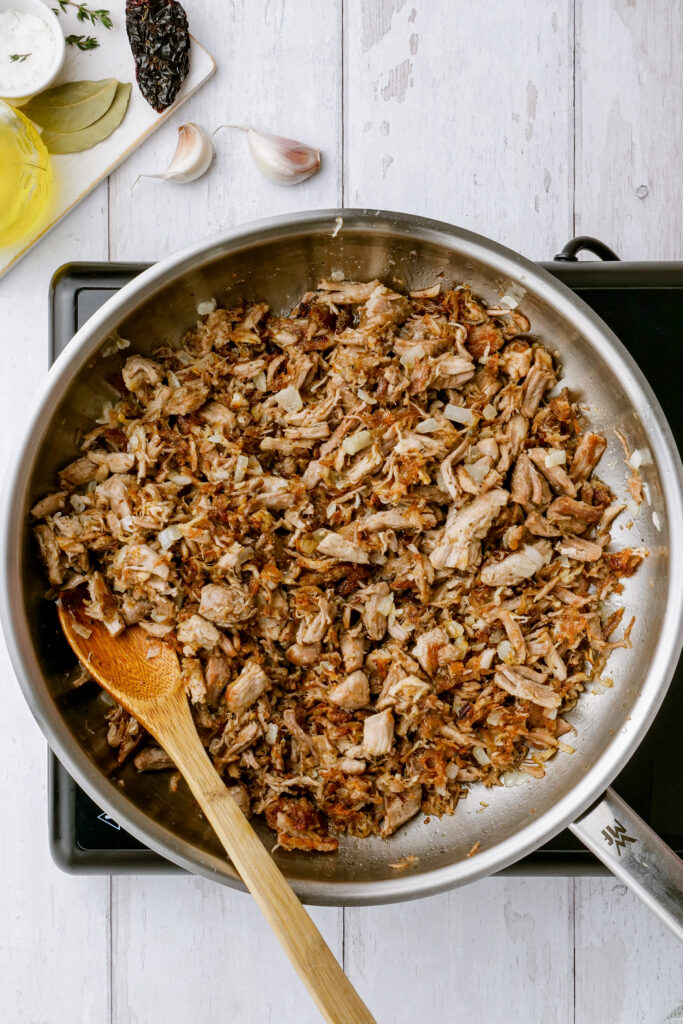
(643, 304)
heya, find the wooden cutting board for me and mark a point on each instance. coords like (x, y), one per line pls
(76, 174)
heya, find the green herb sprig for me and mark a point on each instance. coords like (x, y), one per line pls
(19, 57)
(84, 13)
(83, 42)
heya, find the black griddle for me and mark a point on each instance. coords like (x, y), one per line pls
(643, 304)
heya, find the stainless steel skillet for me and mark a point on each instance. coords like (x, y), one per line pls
(278, 259)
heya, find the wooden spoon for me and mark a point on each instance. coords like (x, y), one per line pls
(150, 689)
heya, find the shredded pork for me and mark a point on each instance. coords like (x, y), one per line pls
(375, 541)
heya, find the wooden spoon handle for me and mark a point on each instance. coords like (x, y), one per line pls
(333, 993)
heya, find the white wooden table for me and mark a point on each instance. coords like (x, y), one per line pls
(528, 122)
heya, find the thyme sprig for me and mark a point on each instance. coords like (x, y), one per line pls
(85, 13)
(83, 42)
(19, 57)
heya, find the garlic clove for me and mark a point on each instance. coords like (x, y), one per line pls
(192, 158)
(284, 161)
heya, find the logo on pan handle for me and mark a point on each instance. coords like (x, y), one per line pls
(615, 835)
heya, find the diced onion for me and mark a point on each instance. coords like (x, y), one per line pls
(216, 438)
(169, 536)
(460, 645)
(80, 629)
(477, 470)
(631, 507)
(514, 778)
(180, 479)
(646, 492)
(241, 468)
(427, 426)
(558, 389)
(137, 440)
(655, 520)
(357, 442)
(331, 509)
(365, 397)
(495, 717)
(556, 457)
(408, 358)
(271, 733)
(640, 457)
(458, 414)
(513, 296)
(289, 399)
(550, 713)
(489, 412)
(103, 418)
(452, 771)
(408, 444)
(453, 629)
(114, 345)
(534, 555)
(505, 651)
(564, 747)
(480, 755)
(426, 293)
(385, 606)
(260, 381)
(77, 503)
(486, 658)
(204, 308)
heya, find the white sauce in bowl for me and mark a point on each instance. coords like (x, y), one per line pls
(27, 51)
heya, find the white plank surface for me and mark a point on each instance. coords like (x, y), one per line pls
(628, 966)
(463, 111)
(188, 950)
(629, 124)
(498, 950)
(459, 110)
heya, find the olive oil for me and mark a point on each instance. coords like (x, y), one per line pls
(25, 177)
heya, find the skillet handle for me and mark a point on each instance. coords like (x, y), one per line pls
(585, 243)
(636, 855)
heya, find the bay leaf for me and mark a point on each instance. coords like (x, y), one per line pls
(71, 106)
(76, 142)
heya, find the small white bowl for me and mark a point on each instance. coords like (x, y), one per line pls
(40, 10)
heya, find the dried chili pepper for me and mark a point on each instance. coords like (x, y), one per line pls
(160, 41)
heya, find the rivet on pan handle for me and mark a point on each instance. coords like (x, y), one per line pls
(636, 855)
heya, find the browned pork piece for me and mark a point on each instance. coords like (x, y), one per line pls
(374, 534)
